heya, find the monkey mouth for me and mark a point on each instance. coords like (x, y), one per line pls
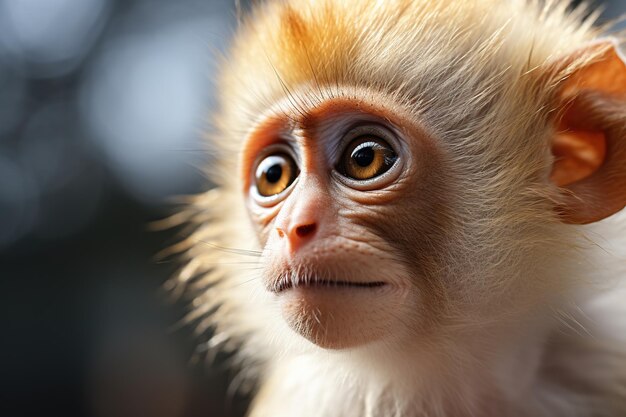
(285, 284)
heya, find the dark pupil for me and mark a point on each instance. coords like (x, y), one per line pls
(364, 156)
(274, 173)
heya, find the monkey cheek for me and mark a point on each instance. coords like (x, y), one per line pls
(337, 318)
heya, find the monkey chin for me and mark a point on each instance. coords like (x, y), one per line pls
(340, 315)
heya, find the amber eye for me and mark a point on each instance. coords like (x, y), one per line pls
(275, 173)
(366, 157)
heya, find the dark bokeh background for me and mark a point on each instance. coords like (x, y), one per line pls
(102, 105)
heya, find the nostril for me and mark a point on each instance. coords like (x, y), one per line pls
(305, 230)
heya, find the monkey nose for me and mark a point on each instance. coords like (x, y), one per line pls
(298, 234)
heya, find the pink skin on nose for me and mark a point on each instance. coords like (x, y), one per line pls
(300, 217)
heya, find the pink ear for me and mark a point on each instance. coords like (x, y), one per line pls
(590, 143)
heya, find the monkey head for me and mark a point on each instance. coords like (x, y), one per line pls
(404, 177)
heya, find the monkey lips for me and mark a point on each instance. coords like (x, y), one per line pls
(336, 308)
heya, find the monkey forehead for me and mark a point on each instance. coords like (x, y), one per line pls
(430, 51)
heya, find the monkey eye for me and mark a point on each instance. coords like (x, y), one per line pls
(275, 173)
(366, 157)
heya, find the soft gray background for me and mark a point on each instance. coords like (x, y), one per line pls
(102, 105)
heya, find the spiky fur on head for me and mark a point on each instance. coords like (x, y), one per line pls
(479, 76)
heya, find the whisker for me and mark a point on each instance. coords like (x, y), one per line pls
(248, 281)
(236, 251)
(190, 150)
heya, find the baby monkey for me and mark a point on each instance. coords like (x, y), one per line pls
(416, 211)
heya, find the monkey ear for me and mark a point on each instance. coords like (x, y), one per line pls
(589, 145)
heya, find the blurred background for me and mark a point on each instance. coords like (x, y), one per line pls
(102, 108)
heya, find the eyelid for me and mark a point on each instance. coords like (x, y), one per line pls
(280, 146)
(362, 129)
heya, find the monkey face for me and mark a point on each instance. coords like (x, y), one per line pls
(324, 189)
